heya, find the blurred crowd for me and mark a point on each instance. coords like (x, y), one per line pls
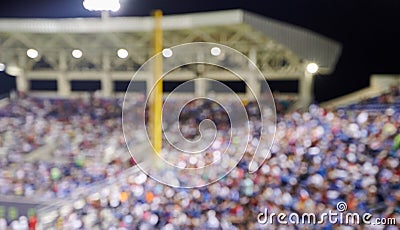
(318, 158)
(67, 136)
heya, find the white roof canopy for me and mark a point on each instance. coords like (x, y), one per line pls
(303, 43)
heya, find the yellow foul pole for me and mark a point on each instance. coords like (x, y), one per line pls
(157, 94)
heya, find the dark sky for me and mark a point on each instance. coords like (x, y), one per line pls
(369, 30)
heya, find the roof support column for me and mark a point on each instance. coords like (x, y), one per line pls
(63, 83)
(200, 87)
(253, 87)
(306, 88)
(201, 83)
(106, 82)
(22, 81)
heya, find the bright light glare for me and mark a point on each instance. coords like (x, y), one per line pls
(215, 51)
(102, 5)
(167, 53)
(312, 68)
(122, 53)
(2, 67)
(77, 53)
(32, 53)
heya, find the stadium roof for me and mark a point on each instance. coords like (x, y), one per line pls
(286, 47)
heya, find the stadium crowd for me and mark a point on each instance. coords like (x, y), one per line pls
(318, 158)
(77, 134)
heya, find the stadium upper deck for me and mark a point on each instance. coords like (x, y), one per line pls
(281, 51)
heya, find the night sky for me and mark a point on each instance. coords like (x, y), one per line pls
(369, 30)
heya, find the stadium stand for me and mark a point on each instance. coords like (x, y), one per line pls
(84, 179)
(319, 157)
(382, 102)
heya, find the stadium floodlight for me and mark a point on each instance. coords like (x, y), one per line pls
(215, 51)
(312, 67)
(2, 67)
(32, 53)
(77, 53)
(102, 5)
(167, 53)
(122, 53)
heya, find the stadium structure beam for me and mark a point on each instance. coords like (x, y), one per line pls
(306, 85)
(106, 82)
(279, 49)
(63, 84)
(201, 84)
(182, 75)
(200, 87)
(253, 90)
(16, 69)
